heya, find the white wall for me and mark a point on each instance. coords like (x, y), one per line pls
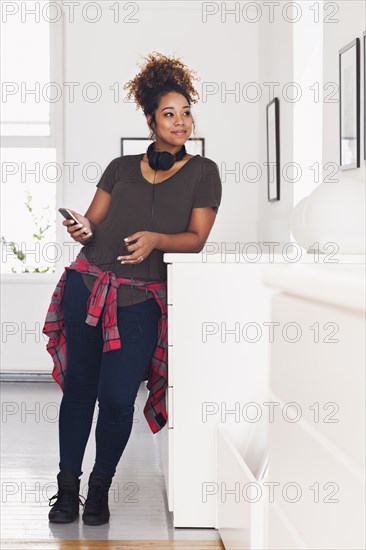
(308, 111)
(275, 66)
(305, 52)
(223, 53)
(351, 24)
(107, 53)
(227, 52)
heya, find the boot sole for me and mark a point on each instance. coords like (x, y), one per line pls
(60, 520)
(91, 522)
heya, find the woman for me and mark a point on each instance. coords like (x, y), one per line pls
(107, 318)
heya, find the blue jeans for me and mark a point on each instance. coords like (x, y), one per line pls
(112, 377)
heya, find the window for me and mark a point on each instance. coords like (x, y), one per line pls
(31, 130)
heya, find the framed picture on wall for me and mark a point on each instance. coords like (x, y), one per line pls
(349, 105)
(273, 150)
(364, 96)
(136, 145)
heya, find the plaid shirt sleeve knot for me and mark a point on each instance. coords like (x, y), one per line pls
(103, 302)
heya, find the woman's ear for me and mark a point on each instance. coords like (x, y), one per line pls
(150, 124)
(149, 120)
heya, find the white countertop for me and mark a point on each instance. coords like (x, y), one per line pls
(338, 284)
(338, 279)
(248, 253)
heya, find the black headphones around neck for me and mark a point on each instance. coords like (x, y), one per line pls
(162, 160)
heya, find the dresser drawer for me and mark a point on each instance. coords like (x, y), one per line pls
(170, 283)
(170, 365)
(322, 371)
(280, 533)
(318, 489)
(170, 325)
(170, 396)
(166, 436)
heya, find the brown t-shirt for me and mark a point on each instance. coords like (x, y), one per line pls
(138, 205)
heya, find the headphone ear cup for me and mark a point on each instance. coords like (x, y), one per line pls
(165, 160)
(152, 157)
(161, 160)
(153, 161)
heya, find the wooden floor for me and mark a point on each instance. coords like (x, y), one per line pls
(113, 545)
(29, 465)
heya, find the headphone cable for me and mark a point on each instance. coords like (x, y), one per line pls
(148, 258)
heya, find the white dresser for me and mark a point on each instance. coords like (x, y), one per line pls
(218, 363)
(317, 387)
(212, 372)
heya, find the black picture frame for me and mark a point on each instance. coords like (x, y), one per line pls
(364, 95)
(273, 150)
(349, 105)
(137, 145)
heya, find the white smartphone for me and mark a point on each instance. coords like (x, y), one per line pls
(68, 216)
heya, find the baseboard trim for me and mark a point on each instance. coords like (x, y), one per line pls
(25, 377)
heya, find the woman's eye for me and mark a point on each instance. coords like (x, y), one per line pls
(186, 113)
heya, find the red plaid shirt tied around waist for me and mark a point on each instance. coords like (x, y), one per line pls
(103, 301)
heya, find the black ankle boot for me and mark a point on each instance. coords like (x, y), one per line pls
(66, 507)
(96, 511)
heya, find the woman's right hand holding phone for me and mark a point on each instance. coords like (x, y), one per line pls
(77, 231)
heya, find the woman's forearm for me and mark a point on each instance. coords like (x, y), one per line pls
(179, 242)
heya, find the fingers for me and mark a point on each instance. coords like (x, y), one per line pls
(134, 258)
(132, 262)
(82, 232)
(135, 252)
(80, 237)
(132, 247)
(73, 227)
(77, 231)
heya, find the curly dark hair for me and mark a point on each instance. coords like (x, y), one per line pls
(159, 76)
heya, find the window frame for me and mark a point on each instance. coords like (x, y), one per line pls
(54, 141)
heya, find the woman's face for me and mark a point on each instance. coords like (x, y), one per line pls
(173, 120)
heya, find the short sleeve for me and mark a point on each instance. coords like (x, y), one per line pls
(109, 176)
(209, 189)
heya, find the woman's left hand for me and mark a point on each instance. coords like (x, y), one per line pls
(146, 241)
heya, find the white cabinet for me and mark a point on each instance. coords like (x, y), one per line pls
(240, 506)
(217, 363)
(317, 386)
(25, 299)
(220, 350)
